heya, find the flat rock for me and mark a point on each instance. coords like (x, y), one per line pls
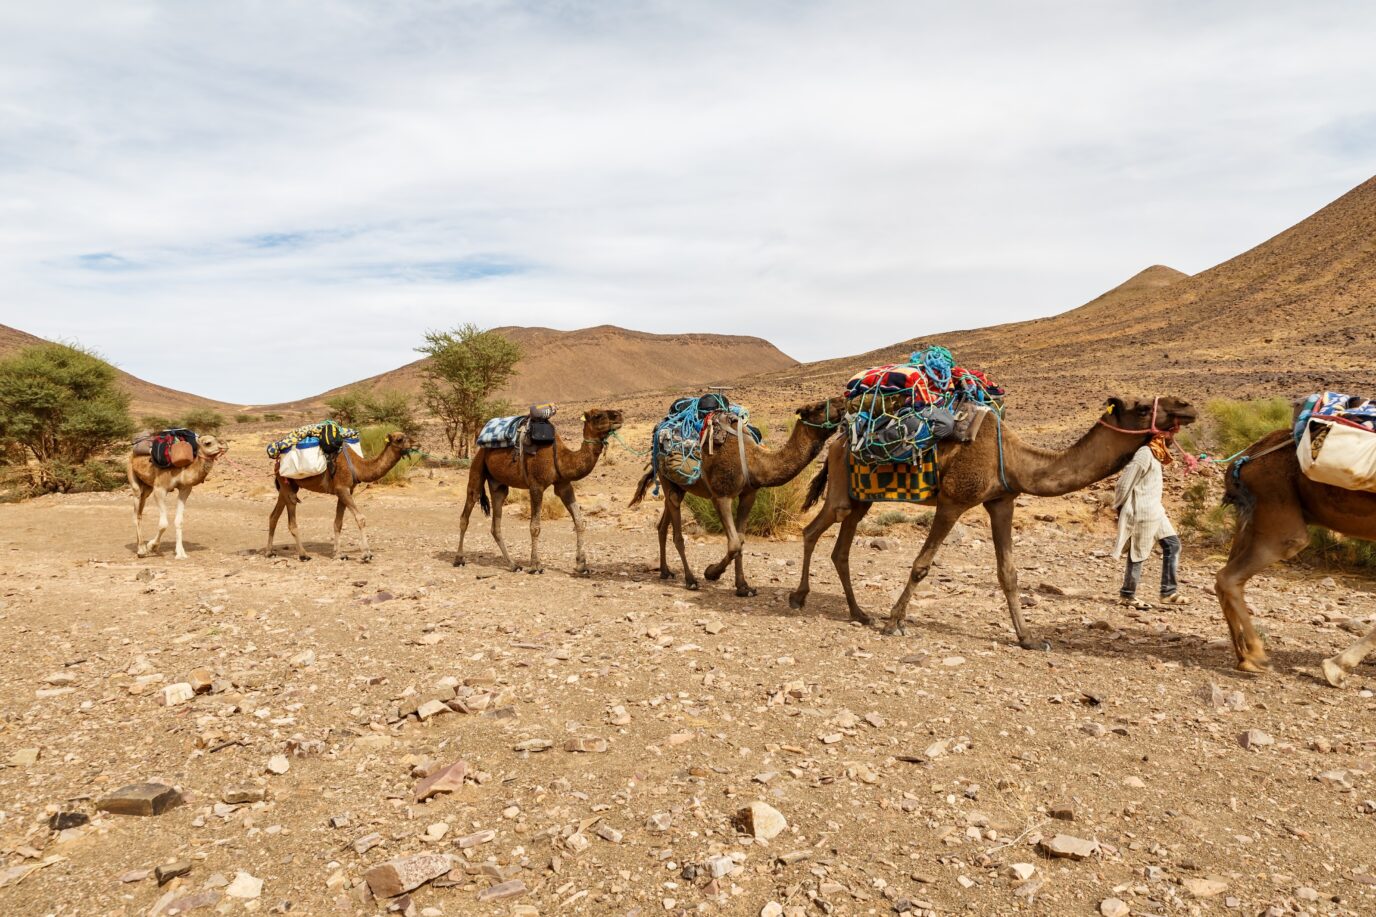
(25, 757)
(169, 871)
(761, 821)
(587, 744)
(1254, 738)
(445, 780)
(278, 764)
(398, 876)
(175, 694)
(242, 795)
(1113, 907)
(504, 890)
(245, 887)
(1205, 888)
(1066, 846)
(140, 799)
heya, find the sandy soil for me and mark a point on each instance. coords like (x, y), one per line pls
(913, 772)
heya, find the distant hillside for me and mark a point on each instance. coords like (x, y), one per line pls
(582, 366)
(147, 398)
(1290, 316)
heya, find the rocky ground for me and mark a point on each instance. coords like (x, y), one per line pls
(612, 730)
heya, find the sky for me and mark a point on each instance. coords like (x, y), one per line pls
(259, 201)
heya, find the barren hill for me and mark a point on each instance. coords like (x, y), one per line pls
(606, 361)
(1295, 314)
(147, 398)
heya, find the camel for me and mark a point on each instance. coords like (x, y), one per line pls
(992, 470)
(146, 478)
(1275, 505)
(345, 473)
(552, 465)
(722, 481)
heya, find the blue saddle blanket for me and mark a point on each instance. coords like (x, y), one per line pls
(501, 432)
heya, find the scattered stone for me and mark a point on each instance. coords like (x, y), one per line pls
(761, 821)
(175, 694)
(1113, 907)
(774, 908)
(445, 780)
(1062, 811)
(1021, 871)
(245, 887)
(169, 871)
(1254, 738)
(201, 680)
(504, 890)
(1065, 846)
(432, 708)
(206, 898)
(62, 821)
(243, 795)
(25, 757)
(140, 799)
(532, 746)
(367, 842)
(660, 821)
(473, 840)
(609, 834)
(136, 875)
(586, 745)
(1336, 778)
(278, 764)
(1204, 888)
(398, 876)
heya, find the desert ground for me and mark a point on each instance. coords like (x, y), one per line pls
(617, 724)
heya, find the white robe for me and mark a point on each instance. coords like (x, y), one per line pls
(1142, 520)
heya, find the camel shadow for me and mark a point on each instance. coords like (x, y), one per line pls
(169, 548)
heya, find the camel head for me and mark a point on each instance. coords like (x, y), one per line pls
(826, 415)
(210, 447)
(396, 440)
(1151, 415)
(599, 423)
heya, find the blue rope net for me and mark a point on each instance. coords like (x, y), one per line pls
(677, 439)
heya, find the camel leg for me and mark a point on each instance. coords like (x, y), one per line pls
(499, 492)
(673, 505)
(664, 523)
(1272, 534)
(564, 490)
(537, 503)
(734, 542)
(1001, 524)
(469, 502)
(942, 523)
(338, 528)
(182, 494)
(291, 527)
(1337, 668)
(812, 533)
(155, 546)
(346, 498)
(139, 500)
(840, 557)
(743, 513)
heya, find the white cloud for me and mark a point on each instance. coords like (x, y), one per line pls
(216, 195)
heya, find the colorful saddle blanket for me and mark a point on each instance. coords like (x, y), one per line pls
(677, 441)
(895, 483)
(502, 432)
(1333, 406)
(1336, 440)
(327, 435)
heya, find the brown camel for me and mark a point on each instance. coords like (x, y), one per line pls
(346, 473)
(1275, 505)
(146, 478)
(970, 476)
(722, 481)
(553, 465)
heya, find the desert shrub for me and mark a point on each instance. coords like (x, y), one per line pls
(1329, 549)
(390, 409)
(154, 422)
(245, 418)
(346, 407)
(373, 439)
(92, 476)
(1234, 425)
(62, 407)
(1205, 520)
(203, 420)
(272, 418)
(551, 508)
(777, 511)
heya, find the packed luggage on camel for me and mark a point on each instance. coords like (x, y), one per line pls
(326, 458)
(1320, 472)
(527, 452)
(980, 462)
(705, 446)
(166, 460)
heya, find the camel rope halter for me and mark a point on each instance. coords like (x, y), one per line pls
(1154, 430)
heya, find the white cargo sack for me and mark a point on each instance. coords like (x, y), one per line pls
(1345, 456)
(302, 462)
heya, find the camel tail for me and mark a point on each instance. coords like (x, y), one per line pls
(478, 479)
(1238, 495)
(640, 488)
(816, 488)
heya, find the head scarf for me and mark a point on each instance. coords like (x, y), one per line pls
(1161, 449)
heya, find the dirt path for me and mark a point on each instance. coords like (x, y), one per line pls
(913, 772)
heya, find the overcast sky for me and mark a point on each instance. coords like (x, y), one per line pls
(259, 201)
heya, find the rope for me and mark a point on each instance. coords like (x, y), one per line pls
(1003, 478)
(625, 445)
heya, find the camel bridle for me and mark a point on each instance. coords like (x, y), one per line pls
(1153, 430)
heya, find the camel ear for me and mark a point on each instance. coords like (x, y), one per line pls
(1115, 407)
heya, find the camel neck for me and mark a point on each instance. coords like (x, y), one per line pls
(774, 468)
(1050, 473)
(373, 469)
(575, 464)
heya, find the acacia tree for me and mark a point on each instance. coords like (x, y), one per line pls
(466, 368)
(62, 406)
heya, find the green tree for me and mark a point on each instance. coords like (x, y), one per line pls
(347, 407)
(62, 407)
(466, 368)
(391, 409)
(203, 420)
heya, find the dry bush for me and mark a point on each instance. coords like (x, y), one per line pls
(777, 511)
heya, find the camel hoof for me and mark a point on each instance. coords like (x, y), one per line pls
(341, 557)
(712, 574)
(692, 586)
(141, 552)
(1042, 645)
(535, 570)
(666, 574)
(459, 561)
(746, 592)
(796, 600)
(181, 556)
(1255, 666)
(366, 559)
(1334, 673)
(894, 629)
(582, 571)
(303, 557)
